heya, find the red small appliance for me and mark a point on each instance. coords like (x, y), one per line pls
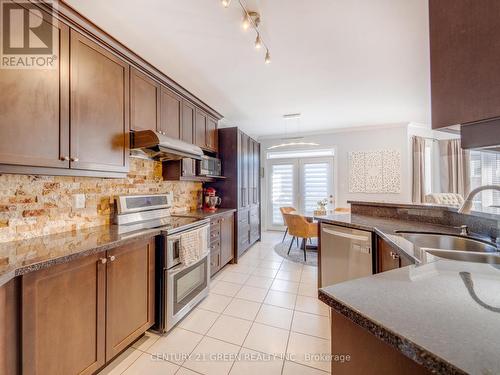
(211, 201)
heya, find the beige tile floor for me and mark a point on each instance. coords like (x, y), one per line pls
(262, 316)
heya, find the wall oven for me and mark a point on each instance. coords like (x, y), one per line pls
(180, 287)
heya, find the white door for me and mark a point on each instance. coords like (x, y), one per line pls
(282, 190)
(299, 183)
(315, 182)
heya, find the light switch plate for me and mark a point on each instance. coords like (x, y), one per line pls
(79, 200)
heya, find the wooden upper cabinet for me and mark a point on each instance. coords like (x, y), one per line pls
(144, 102)
(211, 135)
(34, 110)
(465, 56)
(99, 107)
(129, 294)
(63, 324)
(188, 118)
(200, 126)
(171, 113)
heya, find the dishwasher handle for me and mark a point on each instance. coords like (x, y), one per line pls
(346, 235)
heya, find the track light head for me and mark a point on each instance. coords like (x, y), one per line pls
(258, 42)
(268, 57)
(246, 22)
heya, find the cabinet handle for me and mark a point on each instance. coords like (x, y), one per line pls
(103, 260)
(64, 158)
(394, 255)
(74, 160)
(112, 258)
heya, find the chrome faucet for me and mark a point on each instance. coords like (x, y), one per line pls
(467, 205)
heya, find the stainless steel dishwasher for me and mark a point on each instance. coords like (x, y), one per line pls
(346, 254)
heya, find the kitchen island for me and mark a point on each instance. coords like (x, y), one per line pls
(439, 317)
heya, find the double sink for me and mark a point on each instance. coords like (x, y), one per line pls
(453, 247)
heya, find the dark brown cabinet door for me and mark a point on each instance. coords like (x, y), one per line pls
(388, 259)
(200, 129)
(99, 107)
(34, 110)
(188, 116)
(63, 319)
(10, 323)
(211, 135)
(144, 101)
(171, 113)
(243, 170)
(256, 173)
(226, 239)
(129, 294)
(465, 55)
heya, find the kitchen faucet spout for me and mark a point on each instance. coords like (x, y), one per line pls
(467, 205)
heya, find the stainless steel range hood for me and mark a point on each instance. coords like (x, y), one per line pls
(158, 146)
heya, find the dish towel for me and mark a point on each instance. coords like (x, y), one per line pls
(193, 246)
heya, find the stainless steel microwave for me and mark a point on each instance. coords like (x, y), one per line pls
(209, 166)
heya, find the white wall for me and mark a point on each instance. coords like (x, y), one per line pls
(393, 137)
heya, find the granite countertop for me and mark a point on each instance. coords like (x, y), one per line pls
(21, 257)
(444, 315)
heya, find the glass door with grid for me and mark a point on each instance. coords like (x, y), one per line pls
(299, 183)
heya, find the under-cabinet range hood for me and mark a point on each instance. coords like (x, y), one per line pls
(159, 146)
(481, 135)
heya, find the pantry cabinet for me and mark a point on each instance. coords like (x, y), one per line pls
(77, 316)
(240, 157)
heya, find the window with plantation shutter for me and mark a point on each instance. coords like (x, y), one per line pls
(282, 189)
(315, 184)
(485, 170)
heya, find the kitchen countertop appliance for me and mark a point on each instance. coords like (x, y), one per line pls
(211, 201)
(179, 287)
(346, 254)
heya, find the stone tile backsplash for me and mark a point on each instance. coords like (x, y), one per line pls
(32, 206)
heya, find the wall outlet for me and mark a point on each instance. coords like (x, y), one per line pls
(79, 200)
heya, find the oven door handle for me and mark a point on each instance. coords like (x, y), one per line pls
(182, 267)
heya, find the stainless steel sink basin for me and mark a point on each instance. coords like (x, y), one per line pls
(452, 247)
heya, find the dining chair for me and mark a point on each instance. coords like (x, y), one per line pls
(300, 227)
(286, 210)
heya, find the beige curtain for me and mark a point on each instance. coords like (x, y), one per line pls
(455, 167)
(418, 151)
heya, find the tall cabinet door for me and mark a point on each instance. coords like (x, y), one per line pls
(188, 117)
(256, 173)
(129, 294)
(171, 113)
(144, 102)
(243, 170)
(63, 324)
(34, 109)
(99, 107)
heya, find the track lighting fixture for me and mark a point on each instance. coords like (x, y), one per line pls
(251, 20)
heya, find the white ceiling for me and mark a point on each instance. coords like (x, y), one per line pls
(340, 63)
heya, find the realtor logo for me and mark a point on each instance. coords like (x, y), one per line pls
(27, 36)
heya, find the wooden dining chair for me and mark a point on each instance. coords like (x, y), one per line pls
(286, 210)
(300, 227)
